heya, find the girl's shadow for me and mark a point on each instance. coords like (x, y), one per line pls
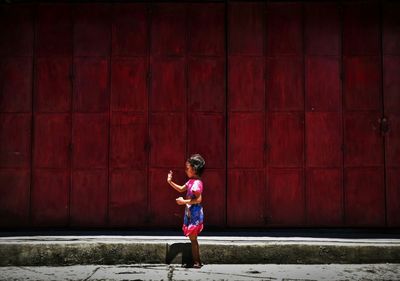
(185, 249)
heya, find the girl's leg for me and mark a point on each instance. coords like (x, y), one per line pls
(195, 250)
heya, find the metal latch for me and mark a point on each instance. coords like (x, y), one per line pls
(384, 125)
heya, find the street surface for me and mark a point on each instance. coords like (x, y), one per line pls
(293, 272)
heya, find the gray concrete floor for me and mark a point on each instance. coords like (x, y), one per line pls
(208, 272)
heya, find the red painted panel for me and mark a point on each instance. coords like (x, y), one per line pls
(285, 139)
(246, 140)
(90, 85)
(214, 196)
(323, 84)
(246, 28)
(90, 140)
(206, 135)
(53, 85)
(284, 29)
(167, 136)
(168, 28)
(322, 29)
(391, 28)
(392, 197)
(92, 29)
(391, 83)
(50, 197)
(128, 140)
(324, 197)
(392, 141)
(285, 197)
(130, 36)
(362, 83)
(361, 28)
(207, 20)
(16, 81)
(128, 198)
(168, 85)
(362, 133)
(324, 139)
(16, 29)
(54, 30)
(246, 84)
(206, 84)
(285, 84)
(14, 197)
(89, 198)
(129, 84)
(164, 210)
(15, 140)
(52, 141)
(364, 197)
(246, 198)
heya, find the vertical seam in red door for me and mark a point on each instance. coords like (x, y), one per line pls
(226, 109)
(382, 96)
(185, 76)
(341, 22)
(110, 24)
(33, 20)
(305, 216)
(148, 84)
(72, 81)
(266, 112)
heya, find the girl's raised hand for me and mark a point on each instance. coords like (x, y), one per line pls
(169, 177)
(180, 201)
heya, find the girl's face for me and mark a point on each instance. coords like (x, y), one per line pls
(190, 172)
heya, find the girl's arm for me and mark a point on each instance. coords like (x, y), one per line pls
(179, 188)
(182, 201)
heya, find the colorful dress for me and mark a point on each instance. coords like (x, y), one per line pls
(193, 219)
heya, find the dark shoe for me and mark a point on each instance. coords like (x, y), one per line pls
(187, 265)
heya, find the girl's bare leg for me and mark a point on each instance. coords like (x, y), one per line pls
(195, 250)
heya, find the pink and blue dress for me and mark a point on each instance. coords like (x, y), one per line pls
(194, 216)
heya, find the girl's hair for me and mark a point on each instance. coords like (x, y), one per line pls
(197, 162)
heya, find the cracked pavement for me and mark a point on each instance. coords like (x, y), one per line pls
(282, 272)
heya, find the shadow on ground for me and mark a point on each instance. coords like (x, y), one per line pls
(179, 249)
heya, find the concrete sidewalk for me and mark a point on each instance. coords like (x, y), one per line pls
(289, 247)
(220, 272)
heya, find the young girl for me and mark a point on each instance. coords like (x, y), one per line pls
(193, 219)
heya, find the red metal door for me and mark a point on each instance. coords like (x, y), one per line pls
(363, 142)
(246, 115)
(206, 114)
(391, 89)
(51, 156)
(285, 129)
(323, 118)
(167, 110)
(128, 155)
(89, 188)
(187, 105)
(15, 135)
(16, 50)
(299, 122)
(52, 117)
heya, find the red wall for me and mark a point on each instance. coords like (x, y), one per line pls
(284, 100)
